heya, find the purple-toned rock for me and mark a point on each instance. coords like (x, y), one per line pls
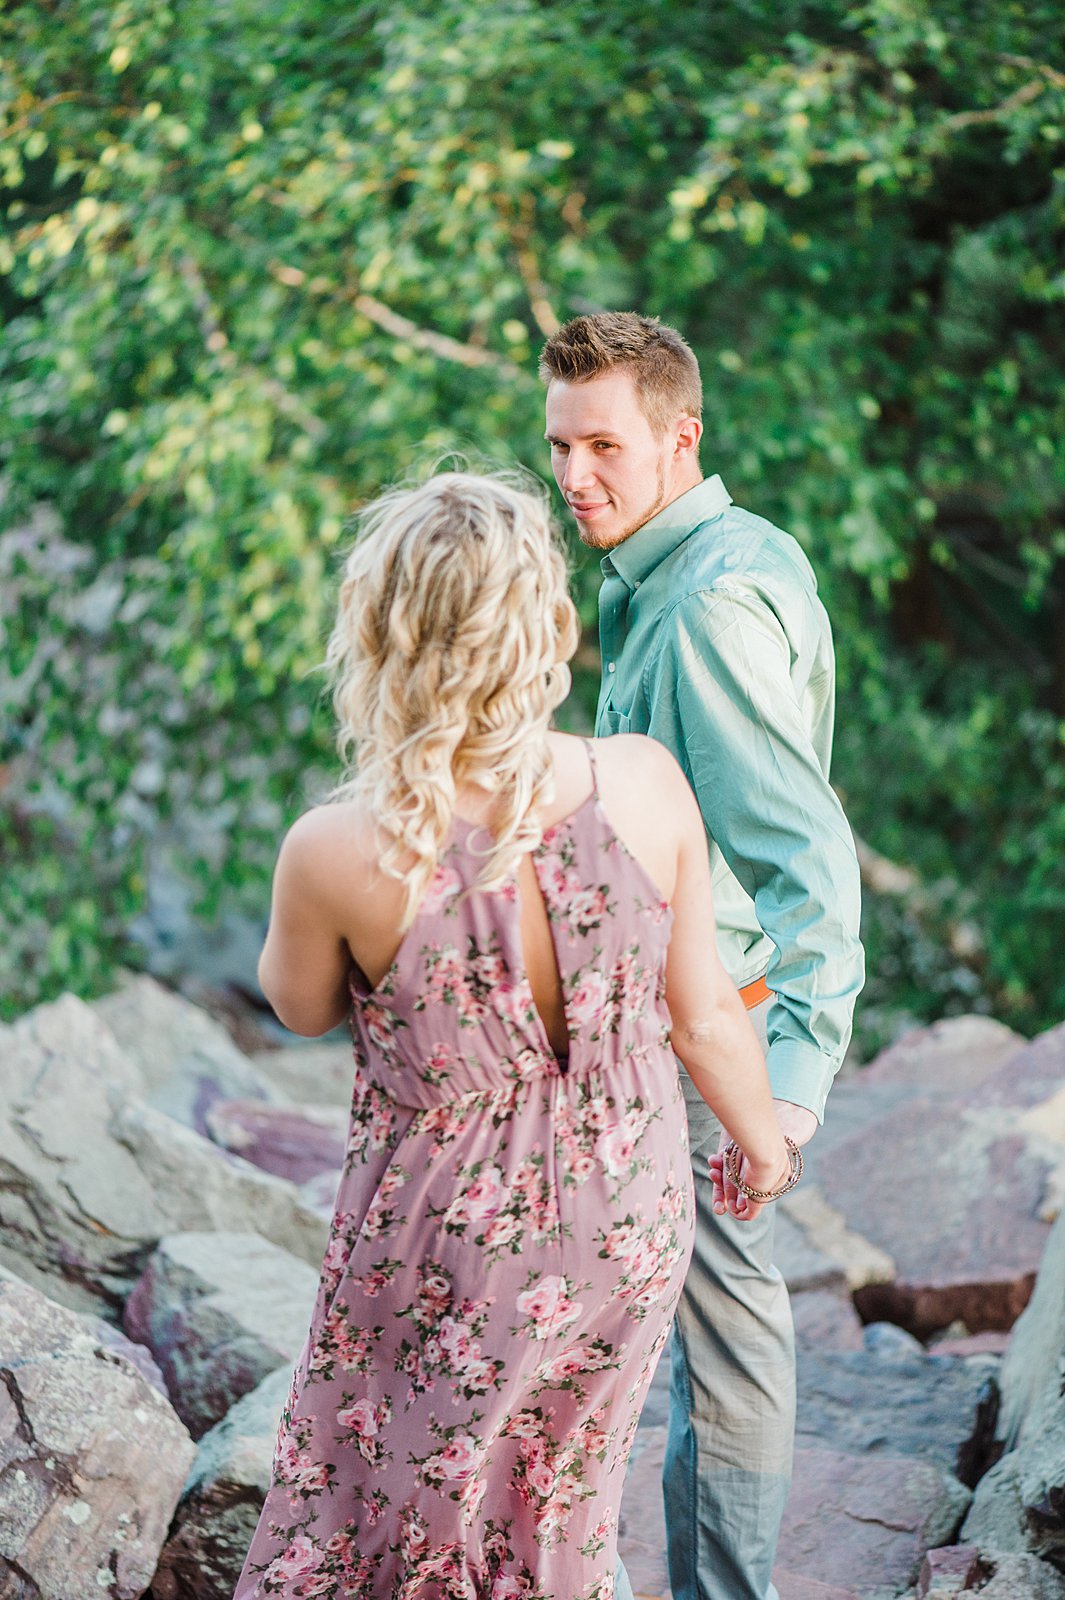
(825, 1321)
(865, 1523)
(1031, 1078)
(220, 1506)
(948, 1060)
(219, 1312)
(185, 1059)
(955, 1197)
(947, 1571)
(790, 1587)
(838, 1220)
(294, 1142)
(92, 1177)
(92, 1458)
(972, 1344)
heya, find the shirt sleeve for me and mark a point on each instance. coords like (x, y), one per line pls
(723, 671)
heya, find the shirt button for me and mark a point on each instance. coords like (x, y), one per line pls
(636, 585)
(610, 668)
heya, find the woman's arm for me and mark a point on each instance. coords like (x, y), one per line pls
(711, 1032)
(303, 970)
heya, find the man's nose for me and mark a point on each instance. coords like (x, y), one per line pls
(579, 471)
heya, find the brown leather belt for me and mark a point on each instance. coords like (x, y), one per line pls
(752, 994)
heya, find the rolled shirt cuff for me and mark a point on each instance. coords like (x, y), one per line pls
(801, 1074)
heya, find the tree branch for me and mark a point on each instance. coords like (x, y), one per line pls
(1030, 65)
(400, 327)
(1019, 97)
(438, 344)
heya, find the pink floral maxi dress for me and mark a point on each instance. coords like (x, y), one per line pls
(509, 1241)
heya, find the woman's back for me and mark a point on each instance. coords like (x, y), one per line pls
(565, 960)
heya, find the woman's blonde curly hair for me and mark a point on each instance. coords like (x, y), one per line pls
(450, 652)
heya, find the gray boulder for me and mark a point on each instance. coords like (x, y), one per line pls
(223, 1497)
(219, 1311)
(1020, 1504)
(92, 1458)
(958, 1570)
(892, 1399)
(310, 1074)
(185, 1059)
(91, 1177)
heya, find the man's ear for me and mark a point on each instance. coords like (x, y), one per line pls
(689, 432)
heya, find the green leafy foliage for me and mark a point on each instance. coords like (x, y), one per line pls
(259, 260)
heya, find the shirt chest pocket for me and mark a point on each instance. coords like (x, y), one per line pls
(612, 721)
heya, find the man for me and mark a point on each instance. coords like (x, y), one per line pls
(714, 642)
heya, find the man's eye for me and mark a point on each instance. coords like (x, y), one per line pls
(604, 444)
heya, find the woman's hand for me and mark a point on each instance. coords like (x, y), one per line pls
(728, 1198)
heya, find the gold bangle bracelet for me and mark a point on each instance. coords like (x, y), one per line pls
(734, 1158)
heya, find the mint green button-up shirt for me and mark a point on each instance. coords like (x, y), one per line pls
(715, 643)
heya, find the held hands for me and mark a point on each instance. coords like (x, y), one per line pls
(798, 1125)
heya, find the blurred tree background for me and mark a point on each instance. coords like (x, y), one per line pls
(259, 259)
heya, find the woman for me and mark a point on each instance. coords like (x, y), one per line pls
(492, 903)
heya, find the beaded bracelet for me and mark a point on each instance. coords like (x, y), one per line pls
(734, 1157)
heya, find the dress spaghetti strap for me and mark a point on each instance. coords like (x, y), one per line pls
(593, 763)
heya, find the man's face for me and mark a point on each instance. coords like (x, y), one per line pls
(613, 469)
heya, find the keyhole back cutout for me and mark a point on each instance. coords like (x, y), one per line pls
(540, 959)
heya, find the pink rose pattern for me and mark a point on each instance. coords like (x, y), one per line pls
(509, 1240)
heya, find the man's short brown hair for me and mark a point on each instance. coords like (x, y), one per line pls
(664, 370)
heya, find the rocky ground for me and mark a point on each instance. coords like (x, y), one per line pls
(164, 1201)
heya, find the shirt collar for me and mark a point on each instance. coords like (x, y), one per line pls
(642, 551)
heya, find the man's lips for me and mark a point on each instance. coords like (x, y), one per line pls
(580, 509)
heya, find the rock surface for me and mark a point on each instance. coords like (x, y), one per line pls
(92, 1458)
(1020, 1504)
(91, 1177)
(185, 1060)
(981, 1162)
(866, 1523)
(222, 1498)
(948, 1571)
(891, 1401)
(963, 1569)
(310, 1074)
(219, 1312)
(294, 1142)
(825, 1321)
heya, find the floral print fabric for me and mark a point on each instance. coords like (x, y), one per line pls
(510, 1236)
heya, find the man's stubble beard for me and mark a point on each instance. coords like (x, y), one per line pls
(611, 541)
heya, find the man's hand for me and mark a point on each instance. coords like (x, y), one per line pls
(796, 1122)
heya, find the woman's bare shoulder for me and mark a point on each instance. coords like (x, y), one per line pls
(328, 838)
(647, 780)
(639, 753)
